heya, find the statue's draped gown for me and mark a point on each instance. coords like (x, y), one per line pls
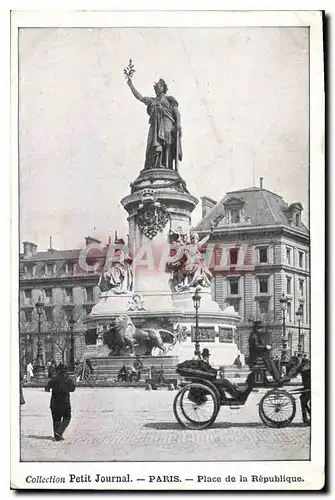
(162, 136)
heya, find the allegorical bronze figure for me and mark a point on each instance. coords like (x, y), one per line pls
(164, 138)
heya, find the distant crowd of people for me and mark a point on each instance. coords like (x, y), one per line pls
(28, 372)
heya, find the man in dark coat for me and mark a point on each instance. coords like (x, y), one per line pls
(258, 349)
(61, 386)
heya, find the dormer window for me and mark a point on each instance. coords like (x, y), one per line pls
(234, 211)
(70, 268)
(30, 271)
(49, 269)
(293, 214)
(235, 216)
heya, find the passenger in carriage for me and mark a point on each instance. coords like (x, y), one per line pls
(259, 349)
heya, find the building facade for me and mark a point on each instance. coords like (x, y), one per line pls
(259, 254)
(67, 288)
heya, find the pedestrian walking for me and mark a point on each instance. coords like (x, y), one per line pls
(60, 406)
(30, 371)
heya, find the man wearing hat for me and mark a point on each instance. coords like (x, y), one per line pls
(61, 386)
(205, 355)
(258, 349)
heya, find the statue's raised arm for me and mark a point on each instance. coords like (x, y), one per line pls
(164, 138)
(134, 91)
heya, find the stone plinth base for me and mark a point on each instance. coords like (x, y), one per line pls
(96, 351)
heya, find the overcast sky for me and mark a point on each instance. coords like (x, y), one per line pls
(243, 99)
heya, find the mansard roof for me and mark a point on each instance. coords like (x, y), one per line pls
(261, 207)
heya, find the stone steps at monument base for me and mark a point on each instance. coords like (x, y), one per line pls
(108, 368)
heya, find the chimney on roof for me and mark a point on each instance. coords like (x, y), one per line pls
(109, 240)
(50, 249)
(206, 205)
(29, 249)
(89, 240)
(261, 182)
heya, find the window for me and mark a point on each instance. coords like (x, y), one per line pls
(29, 271)
(302, 309)
(263, 284)
(290, 343)
(289, 311)
(234, 216)
(48, 296)
(233, 286)
(48, 315)
(289, 285)
(233, 256)
(289, 256)
(27, 297)
(301, 259)
(70, 268)
(263, 306)
(302, 339)
(49, 269)
(68, 314)
(68, 295)
(263, 255)
(301, 289)
(29, 316)
(89, 294)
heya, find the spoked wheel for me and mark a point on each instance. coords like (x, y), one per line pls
(196, 406)
(277, 408)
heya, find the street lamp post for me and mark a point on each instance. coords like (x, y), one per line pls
(196, 301)
(299, 316)
(39, 366)
(26, 348)
(283, 303)
(71, 363)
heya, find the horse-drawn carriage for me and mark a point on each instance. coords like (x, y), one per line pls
(198, 402)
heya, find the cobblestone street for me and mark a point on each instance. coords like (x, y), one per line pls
(118, 424)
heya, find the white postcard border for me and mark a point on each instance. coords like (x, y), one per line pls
(312, 472)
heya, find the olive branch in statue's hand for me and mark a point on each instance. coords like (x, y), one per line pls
(129, 71)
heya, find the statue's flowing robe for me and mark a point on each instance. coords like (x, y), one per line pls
(162, 137)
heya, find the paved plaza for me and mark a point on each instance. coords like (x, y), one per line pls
(121, 424)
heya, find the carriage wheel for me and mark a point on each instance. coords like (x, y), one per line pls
(196, 406)
(277, 408)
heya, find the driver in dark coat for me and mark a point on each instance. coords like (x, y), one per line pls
(258, 349)
(61, 385)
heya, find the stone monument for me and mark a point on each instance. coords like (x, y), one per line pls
(152, 280)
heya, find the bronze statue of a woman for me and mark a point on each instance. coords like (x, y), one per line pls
(164, 138)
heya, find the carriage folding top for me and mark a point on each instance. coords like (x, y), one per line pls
(196, 369)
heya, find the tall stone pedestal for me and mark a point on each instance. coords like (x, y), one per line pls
(159, 207)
